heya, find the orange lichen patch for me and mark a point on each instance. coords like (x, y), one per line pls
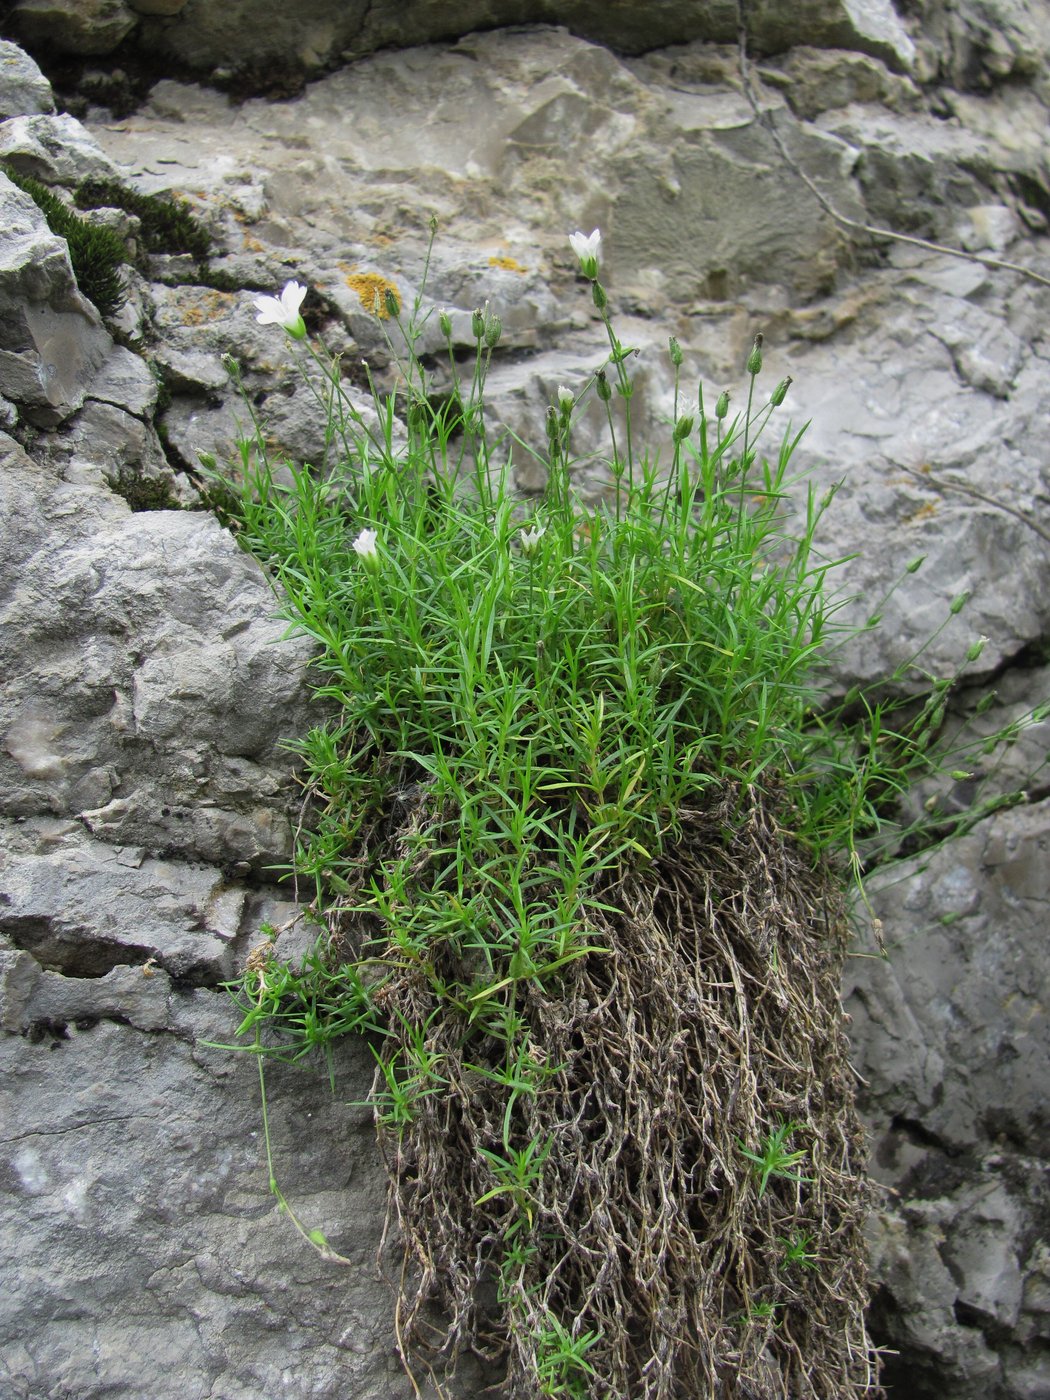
(507, 264)
(206, 306)
(923, 513)
(251, 244)
(371, 290)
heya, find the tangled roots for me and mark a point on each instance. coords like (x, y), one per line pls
(711, 1021)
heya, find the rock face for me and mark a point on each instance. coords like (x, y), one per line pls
(144, 794)
(244, 34)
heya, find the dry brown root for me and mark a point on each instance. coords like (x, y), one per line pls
(713, 1018)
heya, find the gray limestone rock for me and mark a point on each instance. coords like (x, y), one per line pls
(250, 35)
(153, 636)
(141, 1250)
(52, 342)
(948, 1036)
(143, 792)
(86, 27)
(23, 88)
(57, 150)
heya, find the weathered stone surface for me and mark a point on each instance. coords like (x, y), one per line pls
(152, 635)
(23, 88)
(72, 26)
(84, 909)
(948, 1038)
(51, 340)
(54, 149)
(141, 1251)
(144, 694)
(205, 34)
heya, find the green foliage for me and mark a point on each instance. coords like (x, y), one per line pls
(774, 1158)
(798, 1251)
(143, 492)
(305, 1009)
(96, 254)
(166, 224)
(524, 699)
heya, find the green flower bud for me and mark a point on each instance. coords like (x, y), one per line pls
(754, 360)
(601, 301)
(722, 406)
(445, 322)
(675, 351)
(986, 702)
(207, 461)
(602, 386)
(975, 648)
(493, 331)
(682, 429)
(959, 602)
(393, 306)
(477, 323)
(780, 392)
(916, 565)
(553, 426)
(960, 775)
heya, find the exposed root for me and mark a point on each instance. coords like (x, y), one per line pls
(712, 1019)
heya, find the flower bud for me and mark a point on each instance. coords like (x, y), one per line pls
(207, 461)
(566, 399)
(754, 360)
(780, 392)
(601, 301)
(553, 427)
(445, 322)
(722, 406)
(959, 602)
(390, 301)
(493, 331)
(675, 351)
(601, 384)
(975, 648)
(682, 429)
(916, 564)
(477, 323)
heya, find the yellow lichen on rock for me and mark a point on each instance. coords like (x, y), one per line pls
(371, 289)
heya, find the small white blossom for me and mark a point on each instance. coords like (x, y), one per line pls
(365, 545)
(283, 310)
(566, 399)
(587, 248)
(531, 538)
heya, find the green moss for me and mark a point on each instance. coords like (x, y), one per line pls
(96, 254)
(167, 225)
(144, 492)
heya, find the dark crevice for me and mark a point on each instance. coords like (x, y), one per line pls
(71, 952)
(83, 955)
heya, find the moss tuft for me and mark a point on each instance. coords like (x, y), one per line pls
(167, 225)
(144, 492)
(96, 254)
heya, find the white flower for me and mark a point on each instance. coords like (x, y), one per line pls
(531, 538)
(283, 310)
(566, 399)
(365, 545)
(587, 248)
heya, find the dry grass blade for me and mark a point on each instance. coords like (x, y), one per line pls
(713, 1017)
